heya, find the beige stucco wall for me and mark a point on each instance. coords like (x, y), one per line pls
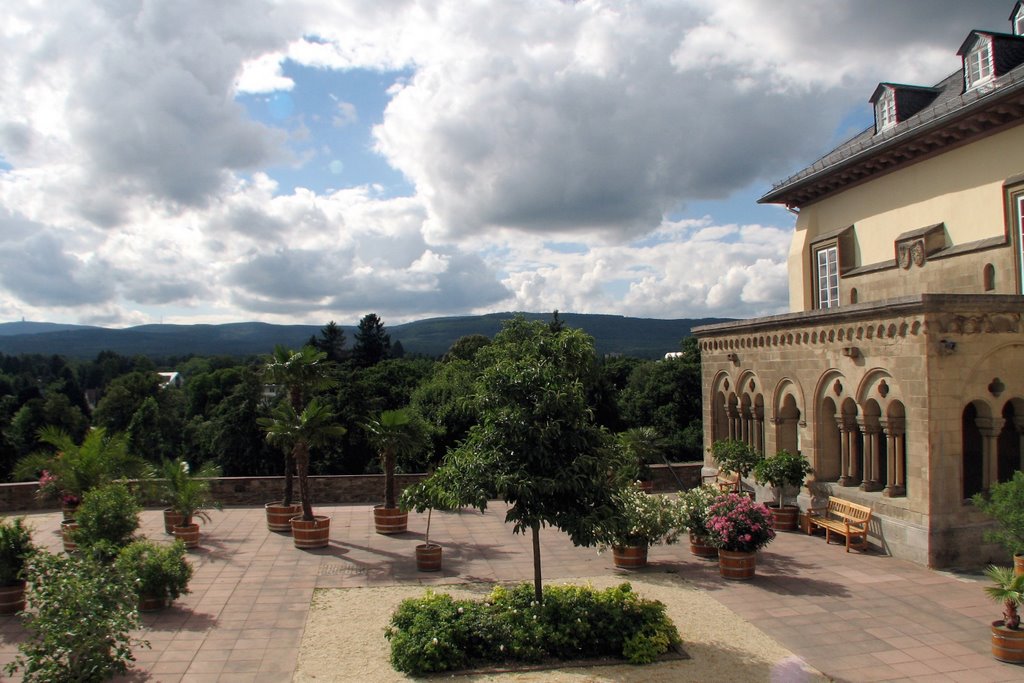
(962, 188)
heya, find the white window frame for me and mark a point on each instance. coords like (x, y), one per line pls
(1018, 23)
(886, 112)
(1020, 240)
(978, 67)
(826, 276)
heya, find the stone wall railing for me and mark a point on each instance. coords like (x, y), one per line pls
(325, 490)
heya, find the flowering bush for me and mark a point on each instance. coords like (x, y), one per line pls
(694, 506)
(641, 519)
(738, 524)
(49, 489)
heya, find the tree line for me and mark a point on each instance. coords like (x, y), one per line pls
(214, 417)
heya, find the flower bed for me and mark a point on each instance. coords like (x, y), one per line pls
(438, 633)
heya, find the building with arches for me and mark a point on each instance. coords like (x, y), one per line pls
(899, 372)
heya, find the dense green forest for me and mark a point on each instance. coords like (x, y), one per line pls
(212, 417)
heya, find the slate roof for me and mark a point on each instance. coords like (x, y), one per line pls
(952, 118)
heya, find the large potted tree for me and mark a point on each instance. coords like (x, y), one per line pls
(635, 449)
(396, 434)
(782, 470)
(1004, 502)
(297, 433)
(302, 373)
(15, 547)
(735, 456)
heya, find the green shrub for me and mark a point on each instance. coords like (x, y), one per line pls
(80, 615)
(155, 570)
(107, 519)
(1004, 502)
(15, 547)
(438, 633)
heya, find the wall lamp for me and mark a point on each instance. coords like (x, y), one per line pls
(734, 358)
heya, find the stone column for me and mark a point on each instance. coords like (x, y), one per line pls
(872, 455)
(895, 449)
(759, 432)
(989, 428)
(844, 453)
(734, 422)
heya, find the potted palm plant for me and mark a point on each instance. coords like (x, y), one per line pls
(1007, 636)
(301, 373)
(297, 433)
(640, 521)
(636, 448)
(188, 496)
(15, 547)
(782, 470)
(395, 434)
(1004, 502)
(160, 573)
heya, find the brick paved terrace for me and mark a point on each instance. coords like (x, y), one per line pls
(251, 592)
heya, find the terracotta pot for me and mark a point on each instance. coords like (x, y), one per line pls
(66, 527)
(629, 556)
(314, 534)
(736, 565)
(786, 517)
(12, 598)
(1007, 643)
(700, 547)
(188, 534)
(279, 516)
(171, 520)
(149, 603)
(390, 520)
(1018, 564)
(428, 557)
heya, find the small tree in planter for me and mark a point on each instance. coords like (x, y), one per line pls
(1005, 503)
(779, 471)
(396, 434)
(732, 455)
(298, 433)
(159, 573)
(15, 548)
(426, 496)
(188, 497)
(640, 521)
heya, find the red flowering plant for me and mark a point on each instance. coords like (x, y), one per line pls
(738, 524)
(49, 489)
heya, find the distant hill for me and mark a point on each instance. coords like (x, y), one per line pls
(640, 337)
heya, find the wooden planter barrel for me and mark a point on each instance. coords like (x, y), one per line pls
(66, 529)
(428, 557)
(786, 518)
(189, 535)
(700, 547)
(1007, 644)
(279, 516)
(390, 520)
(312, 534)
(171, 520)
(1018, 564)
(629, 556)
(149, 603)
(12, 598)
(736, 565)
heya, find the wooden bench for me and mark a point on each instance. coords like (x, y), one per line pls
(841, 517)
(727, 482)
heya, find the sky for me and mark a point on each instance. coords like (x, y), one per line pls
(188, 161)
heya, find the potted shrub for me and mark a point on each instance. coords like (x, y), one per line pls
(1007, 636)
(302, 373)
(1005, 503)
(732, 455)
(779, 471)
(159, 573)
(188, 495)
(738, 527)
(424, 497)
(635, 449)
(15, 548)
(694, 506)
(106, 521)
(640, 521)
(298, 433)
(396, 434)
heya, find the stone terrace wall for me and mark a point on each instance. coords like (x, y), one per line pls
(326, 490)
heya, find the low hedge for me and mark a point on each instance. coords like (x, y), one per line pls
(439, 633)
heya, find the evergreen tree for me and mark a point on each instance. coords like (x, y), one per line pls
(331, 341)
(372, 343)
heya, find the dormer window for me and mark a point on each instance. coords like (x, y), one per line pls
(885, 110)
(978, 64)
(1017, 19)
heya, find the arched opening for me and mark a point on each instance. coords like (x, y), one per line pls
(895, 429)
(973, 448)
(828, 467)
(853, 295)
(874, 447)
(851, 445)
(787, 435)
(989, 277)
(719, 418)
(1008, 446)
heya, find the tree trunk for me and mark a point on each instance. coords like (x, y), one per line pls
(302, 466)
(289, 469)
(389, 481)
(426, 535)
(538, 589)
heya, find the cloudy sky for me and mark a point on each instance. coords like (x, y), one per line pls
(300, 161)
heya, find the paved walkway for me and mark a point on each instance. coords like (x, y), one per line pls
(855, 617)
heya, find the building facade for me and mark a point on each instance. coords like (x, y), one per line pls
(899, 372)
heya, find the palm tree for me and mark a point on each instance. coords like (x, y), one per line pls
(395, 434)
(297, 433)
(76, 468)
(1009, 590)
(302, 373)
